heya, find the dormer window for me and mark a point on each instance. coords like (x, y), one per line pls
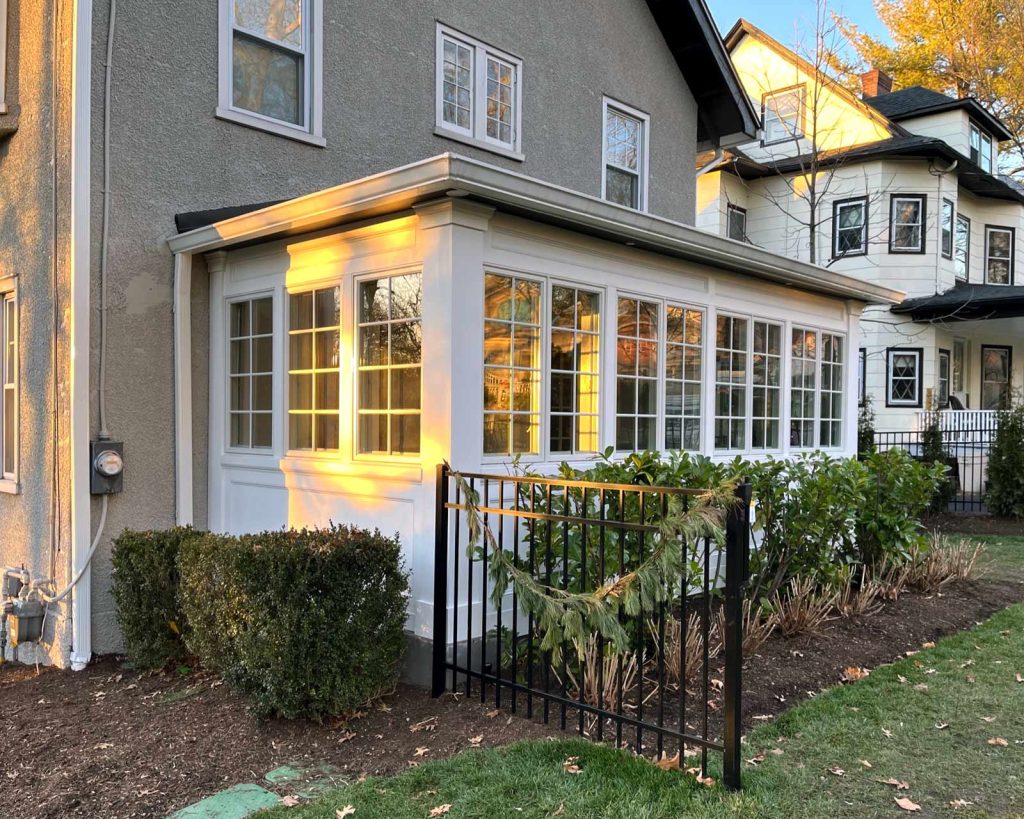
(981, 148)
(783, 115)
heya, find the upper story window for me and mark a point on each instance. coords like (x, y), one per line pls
(907, 225)
(9, 383)
(478, 93)
(783, 113)
(998, 255)
(624, 169)
(981, 148)
(270, 66)
(850, 228)
(948, 211)
(737, 223)
(962, 247)
(903, 377)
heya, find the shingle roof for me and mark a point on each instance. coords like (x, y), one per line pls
(918, 101)
(966, 302)
(190, 220)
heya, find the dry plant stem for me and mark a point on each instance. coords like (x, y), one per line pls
(803, 609)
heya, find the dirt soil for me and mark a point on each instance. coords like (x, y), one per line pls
(106, 742)
(975, 524)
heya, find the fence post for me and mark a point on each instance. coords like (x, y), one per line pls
(737, 544)
(440, 644)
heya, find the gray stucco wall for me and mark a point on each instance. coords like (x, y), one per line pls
(34, 247)
(170, 154)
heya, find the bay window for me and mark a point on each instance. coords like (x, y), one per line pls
(684, 349)
(9, 382)
(251, 373)
(314, 326)
(575, 377)
(636, 354)
(817, 361)
(748, 373)
(907, 225)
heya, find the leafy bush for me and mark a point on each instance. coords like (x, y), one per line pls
(1005, 495)
(145, 590)
(305, 623)
(865, 429)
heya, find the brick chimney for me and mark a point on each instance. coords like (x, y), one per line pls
(874, 83)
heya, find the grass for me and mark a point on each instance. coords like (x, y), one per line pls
(938, 744)
(1003, 557)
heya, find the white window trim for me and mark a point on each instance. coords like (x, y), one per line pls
(3, 56)
(798, 130)
(922, 224)
(918, 380)
(477, 136)
(819, 362)
(645, 149)
(312, 134)
(989, 230)
(9, 484)
(255, 451)
(862, 204)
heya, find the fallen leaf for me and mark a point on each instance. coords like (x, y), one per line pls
(837, 771)
(560, 811)
(475, 741)
(777, 752)
(492, 714)
(902, 679)
(348, 735)
(103, 746)
(383, 706)
(970, 678)
(570, 765)
(440, 810)
(929, 644)
(668, 763)
(706, 781)
(898, 784)
(941, 725)
(289, 801)
(967, 664)
(988, 719)
(887, 733)
(854, 673)
(866, 764)
(1019, 678)
(422, 751)
(956, 804)
(921, 687)
(762, 717)
(757, 759)
(907, 805)
(341, 813)
(998, 741)
(425, 725)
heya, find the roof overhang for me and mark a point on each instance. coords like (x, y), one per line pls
(966, 302)
(453, 175)
(975, 110)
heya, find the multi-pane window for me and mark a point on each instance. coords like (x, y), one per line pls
(575, 381)
(995, 377)
(783, 115)
(478, 91)
(947, 228)
(9, 379)
(636, 354)
(390, 358)
(314, 319)
(271, 59)
(850, 228)
(830, 399)
(998, 255)
(625, 141)
(737, 223)
(904, 378)
(942, 399)
(962, 247)
(906, 232)
(251, 373)
(512, 365)
(767, 385)
(684, 344)
(981, 148)
(803, 387)
(731, 376)
(959, 361)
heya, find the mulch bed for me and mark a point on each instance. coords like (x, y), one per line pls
(106, 742)
(974, 524)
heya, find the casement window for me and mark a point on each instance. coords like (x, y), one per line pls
(981, 148)
(903, 377)
(998, 255)
(748, 376)
(830, 397)
(636, 381)
(948, 211)
(9, 382)
(512, 364)
(907, 224)
(996, 379)
(962, 247)
(816, 388)
(862, 377)
(959, 361)
(783, 114)
(942, 392)
(389, 364)
(684, 350)
(271, 66)
(850, 228)
(251, 372)
(575, 376)
(736, 218)
(314, 329)
(478, 94)
(624, 165)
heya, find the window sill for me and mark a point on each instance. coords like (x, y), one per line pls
(271, 127)
(483, 145)
(9, 487)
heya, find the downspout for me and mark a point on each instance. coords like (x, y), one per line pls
(718, 159)
(183, 389)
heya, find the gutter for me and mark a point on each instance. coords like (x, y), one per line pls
(715, 161)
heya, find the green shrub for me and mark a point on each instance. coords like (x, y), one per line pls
(145, 590)
(305, 623)
(865, 429)
(1005, 495)
(933, 451)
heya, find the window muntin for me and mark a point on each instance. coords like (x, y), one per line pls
(389, 368)
(817, 388)
(981, 148)
(737, 223)
(942, 396)
(830, 397)
(767, 385)
(904, 378)
(948, 211)
(803, 387)
(575, 378)
(251, 373)
(314, 329)
(684, 369)
(512, 364)
(850, 228)
(998, 255)
(906, 234)
(959, 360)
(995, 377)
(636, 383)
(783, 115)
(625, 160)
(962, 247)
(478, 91)
(9, 382)
(731, 368)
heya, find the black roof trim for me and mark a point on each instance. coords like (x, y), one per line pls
(918, 101)
(966, 302)
(190, 220)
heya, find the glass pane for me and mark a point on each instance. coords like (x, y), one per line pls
(326, 431)
(496, 432)
(527, 302)
(525, 395)
(267, 80)
(275, 19)
(239, 429)
(262, 392)
(406, 342)
(239, 319)
(373, 345)
(240, 356)
(262, 430)
(326, 350)
(263, 354)
(300, 351)
(240, 392)
(300, 311)
(373, 389)
(527, 347)
(8, 433)
(300, 431)
(262, 316)
(373, 433)
(405, 434)
(300, 392)
(405, 388)
(406, 296)
(498, 297)
(497, 343)
(327, 391)
(328, 311)
(525, 437)
(621, 187)
(373, 300)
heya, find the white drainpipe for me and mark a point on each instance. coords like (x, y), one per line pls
(718, 159)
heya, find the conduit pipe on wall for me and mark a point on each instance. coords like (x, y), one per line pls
(939, 173)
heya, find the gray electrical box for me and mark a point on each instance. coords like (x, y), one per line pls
(107, 473)
(10, 586)
(26, 622)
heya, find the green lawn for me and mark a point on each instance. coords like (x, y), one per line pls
(1004, 556)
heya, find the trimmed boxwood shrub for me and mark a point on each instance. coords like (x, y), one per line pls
(145, 589)
(304, 623)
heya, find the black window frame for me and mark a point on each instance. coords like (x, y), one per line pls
(967, 251)
(919, 352)
(863, 201)
(730, 209)
(1009, 371)
(977, 155)
(948, 355)
(947, 204)
(1013, 251)
(923, 199)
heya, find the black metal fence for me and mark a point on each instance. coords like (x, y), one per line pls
(678, 686)
(966, 439)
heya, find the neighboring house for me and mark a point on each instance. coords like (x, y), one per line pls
(908, 196)
(472, 239)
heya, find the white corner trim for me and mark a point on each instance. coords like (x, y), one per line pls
(183, 389)
(81, 501)
(3, 56)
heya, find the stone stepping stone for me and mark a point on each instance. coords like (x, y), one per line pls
(234, 803)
